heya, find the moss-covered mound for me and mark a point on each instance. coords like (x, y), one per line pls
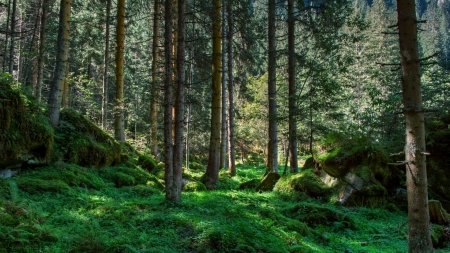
(305, 181)
(25, 133)
(438, 144)
(362, 165)
(85, 144)
(129, 176)
(251, 184)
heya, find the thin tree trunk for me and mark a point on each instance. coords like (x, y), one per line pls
(189, 107)
(42, 39)
(119, 126)
(105, 67)
(223, 137)
(231, 155)
(154, 89)
(272, 163)
(179, 103)
(62, 53)
(168, 97)
(212, 172)
(418, 215)
(65, 96)
(20, 51)
(11, 46)
(293, 160)
(6, 36)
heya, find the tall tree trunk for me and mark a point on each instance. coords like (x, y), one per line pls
(179, 103)
(62, 53)
(42, 39)
(293, 161)
(418, 216)
(212, 172)
(65, 95)
(119, 126)
(231, 155)
(154, 89)
(168, 101)
(223, 137)
(105, 67)
(11, 46)
(8, 16)
(272, 156)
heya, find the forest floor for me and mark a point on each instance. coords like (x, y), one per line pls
(137, 219)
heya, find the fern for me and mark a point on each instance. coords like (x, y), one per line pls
(14, 191)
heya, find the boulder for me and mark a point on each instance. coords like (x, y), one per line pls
(268, 182)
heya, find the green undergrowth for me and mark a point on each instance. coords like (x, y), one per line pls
(116, 209)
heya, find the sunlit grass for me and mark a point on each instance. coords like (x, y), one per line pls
(137, 219)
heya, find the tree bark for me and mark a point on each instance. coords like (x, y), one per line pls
(6, 36)
(272, 156)
(168, 101)
(11, 46)
(212, 172)
(223, 137)
(293, 160)
(154, 89)
(65, 95)
(119, 126)
(62, 53)
(179, 103)
(419, 237)
(105, 67)
(42, 39)
(231, 155)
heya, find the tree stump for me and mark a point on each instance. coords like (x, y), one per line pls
(437, 214)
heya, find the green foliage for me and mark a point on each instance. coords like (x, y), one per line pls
(146, 162)
(197, 166)
(23, 128)
(252, 184)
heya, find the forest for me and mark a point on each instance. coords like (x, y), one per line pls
(225, 126)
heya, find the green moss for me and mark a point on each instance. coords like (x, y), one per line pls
(196, 166)
(252, 184)
(129, 176)
(23, 127)
(85, 144)
(437, 231)
(71, 174)
(194, 186)
(146, 162)
(301, 249)
(305, 181)
(37, 186)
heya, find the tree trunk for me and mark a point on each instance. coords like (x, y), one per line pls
(223, 137)
(418, 216)
(293, 160)
(272, 159)
(6, 36)
(168, 97)
(62, 53)
(42, 39)
(119, 126)
(105, 67)
(212, 172)
(154, 89)
(65, 95)
(231, 155)
(11, 46)
(179, 103)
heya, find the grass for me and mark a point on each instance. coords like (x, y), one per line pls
(96, 215)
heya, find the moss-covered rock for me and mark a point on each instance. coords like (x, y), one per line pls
(305, 181)
(251, 184)
(25, 133)
(194, 186)
(85, 144)
(146, 162)
(437, 233)
(268, 182)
